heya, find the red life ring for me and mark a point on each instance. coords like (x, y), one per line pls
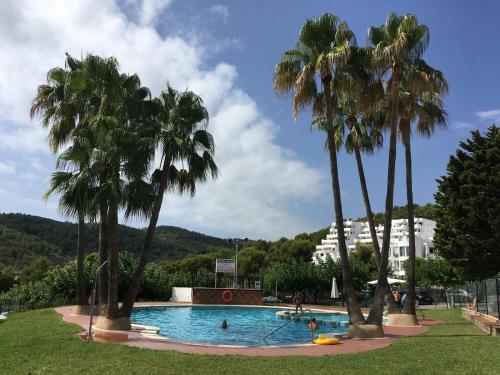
(227, 296)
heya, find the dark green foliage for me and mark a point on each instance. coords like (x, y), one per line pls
(194, 262)
(294, 275)
(316, 237)
(300, 249)
(291, 276)
(19, 248)
(7, 278)
(438, 272)
(36, 270)
(427, 211)
(251, 261)
(468, 206)
(26, 237)
(58, 285)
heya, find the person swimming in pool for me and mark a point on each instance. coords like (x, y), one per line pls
(224, 324)
(313, 325)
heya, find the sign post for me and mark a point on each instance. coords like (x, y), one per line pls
(224, 266)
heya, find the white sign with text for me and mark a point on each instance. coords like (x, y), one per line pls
(225, 265)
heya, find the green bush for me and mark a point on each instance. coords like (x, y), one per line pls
(34, 294)
(156, 284)
(58, 286)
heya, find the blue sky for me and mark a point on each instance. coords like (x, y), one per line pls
(275, 177)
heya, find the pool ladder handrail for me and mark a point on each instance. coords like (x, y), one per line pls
(289, 321)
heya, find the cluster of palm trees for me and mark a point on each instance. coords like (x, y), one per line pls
(355, 94)
(119, 150)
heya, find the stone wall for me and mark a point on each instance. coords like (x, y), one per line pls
(214, 296)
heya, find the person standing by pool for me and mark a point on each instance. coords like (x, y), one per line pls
(224, 324)
(297, 301)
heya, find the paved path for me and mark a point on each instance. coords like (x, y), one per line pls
(137, 339)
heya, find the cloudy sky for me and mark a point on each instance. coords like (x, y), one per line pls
(274, 172)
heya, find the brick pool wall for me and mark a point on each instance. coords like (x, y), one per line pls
(214, 296)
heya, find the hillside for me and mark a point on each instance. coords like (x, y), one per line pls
(18, 248)
(426, 211)
(24, 237)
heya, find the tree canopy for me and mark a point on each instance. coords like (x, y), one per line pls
(468, 206)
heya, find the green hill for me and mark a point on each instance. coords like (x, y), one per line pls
(426, 211)
(18, 248)
(24, 237)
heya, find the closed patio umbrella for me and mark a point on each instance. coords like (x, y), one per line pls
(335, 289)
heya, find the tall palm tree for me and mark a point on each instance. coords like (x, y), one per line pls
(323, 46)
(182, 139)
(359, 94)
(102, 81)
(61, 109)
(74, 186)
(122, 155)
(421, 103)
(397, 44)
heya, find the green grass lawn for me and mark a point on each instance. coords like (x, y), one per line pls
(38, 342)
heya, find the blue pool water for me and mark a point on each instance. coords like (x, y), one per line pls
(247, 325)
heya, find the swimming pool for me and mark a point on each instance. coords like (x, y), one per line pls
(247, 326)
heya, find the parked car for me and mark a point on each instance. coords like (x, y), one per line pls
(460, 295)
(271, 299)
(424, 298)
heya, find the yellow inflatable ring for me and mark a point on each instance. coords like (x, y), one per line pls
(323, 340)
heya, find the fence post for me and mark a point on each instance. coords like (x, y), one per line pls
(477, 296)
(486, 295)
(498, 298)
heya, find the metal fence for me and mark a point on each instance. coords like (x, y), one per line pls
(16, 305)
(226, 281)
(482, 296)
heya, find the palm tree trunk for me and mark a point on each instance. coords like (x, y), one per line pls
(391, 302)
(409, 307)
(377, 309)
(128, 302)
(355, 315)
(103, 257)
(112, 306)
(81, 292)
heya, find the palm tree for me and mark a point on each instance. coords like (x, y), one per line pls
(102, 80)
(421, 101)
(182, 138)
(62, 111)
(397, 44)
(359, 96)
(121, 157)
(323, 46)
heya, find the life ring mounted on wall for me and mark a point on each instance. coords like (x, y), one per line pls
(227, 296)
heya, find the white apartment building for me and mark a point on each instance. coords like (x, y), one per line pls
(359, 232)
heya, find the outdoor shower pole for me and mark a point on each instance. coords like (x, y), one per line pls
(89, 336)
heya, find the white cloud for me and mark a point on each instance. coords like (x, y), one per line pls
(148, 11)
(220, 10)
(7, 168)
(261, 185)
(460, 125)
(493, 115)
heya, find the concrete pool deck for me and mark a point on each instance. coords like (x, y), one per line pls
(148, 339)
